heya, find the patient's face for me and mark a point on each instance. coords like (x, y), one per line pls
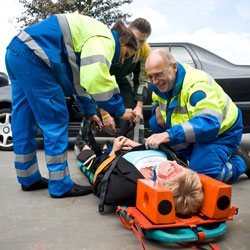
(147, 172)
(167, 171)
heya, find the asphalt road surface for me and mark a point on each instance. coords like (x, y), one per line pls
(34, 221)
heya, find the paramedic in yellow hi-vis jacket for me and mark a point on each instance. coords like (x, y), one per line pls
(196, 117)
(61, 55)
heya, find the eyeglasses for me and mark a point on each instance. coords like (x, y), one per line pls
(173, 171)
(159, 75)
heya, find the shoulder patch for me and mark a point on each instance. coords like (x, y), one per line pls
(196, 97)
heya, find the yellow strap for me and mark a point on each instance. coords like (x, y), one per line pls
(90, 164)
(103, 165)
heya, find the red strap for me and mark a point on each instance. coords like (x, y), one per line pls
(136, 230)
(129, 223)
(123, 220)
(197, 247)
(201, 236)
(213, 246)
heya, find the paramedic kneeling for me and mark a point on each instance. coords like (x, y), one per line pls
(196, 117)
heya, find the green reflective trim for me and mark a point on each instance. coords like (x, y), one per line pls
(189, 131)
(28, 172)
(25, 158)
(56, 159)
(180, 110)
(62, 20)
(95, 59)
(105, 96)
(208, 111)
(28, 40)
(59, 175)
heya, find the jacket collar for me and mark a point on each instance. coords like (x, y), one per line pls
(115, 59)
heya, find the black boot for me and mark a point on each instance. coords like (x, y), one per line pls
(41, 184)
(240, 151)
(76, 190)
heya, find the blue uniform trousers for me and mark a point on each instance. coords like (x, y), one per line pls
(38, 99)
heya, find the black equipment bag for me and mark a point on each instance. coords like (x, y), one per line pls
(117, 184)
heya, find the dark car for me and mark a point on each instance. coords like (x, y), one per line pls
(234, 79)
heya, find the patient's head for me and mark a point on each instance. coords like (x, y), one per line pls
(184, 184)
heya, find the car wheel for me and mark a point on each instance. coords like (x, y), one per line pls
(5, 130)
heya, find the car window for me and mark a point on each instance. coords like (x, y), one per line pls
(181, 55)
(160, 47)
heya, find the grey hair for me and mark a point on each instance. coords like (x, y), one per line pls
(166, 56)
(187, 192)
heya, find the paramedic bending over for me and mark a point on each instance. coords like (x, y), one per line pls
(60, 56)
(196, 117)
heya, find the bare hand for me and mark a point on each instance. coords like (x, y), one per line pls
(108, 120)
(117, 145)
(138, 114)
(96, 122)
(129, 144)
(156, 139)
(109, 123)
(128, 115)
(159, 118)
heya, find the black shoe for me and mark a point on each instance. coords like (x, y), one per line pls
(240, 151)
(76, 190)
(41, 184)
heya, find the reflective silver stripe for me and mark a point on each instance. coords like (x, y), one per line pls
(88, 160)
(222, 174)
(230, 172)
(163, 106)
(210, 80)
(180, 110)
(137, 129)
(189, 131)
(140, 89)
(25, 158)
(106, 95)
(72, 56)
(28, 172)
(180, 146)
(59, 175)
(80, 130)
(225, 109)
(208, 111)
(95, 59)
(28, 40)
(56, 159)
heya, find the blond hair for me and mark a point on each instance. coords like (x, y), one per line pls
(187, 191)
